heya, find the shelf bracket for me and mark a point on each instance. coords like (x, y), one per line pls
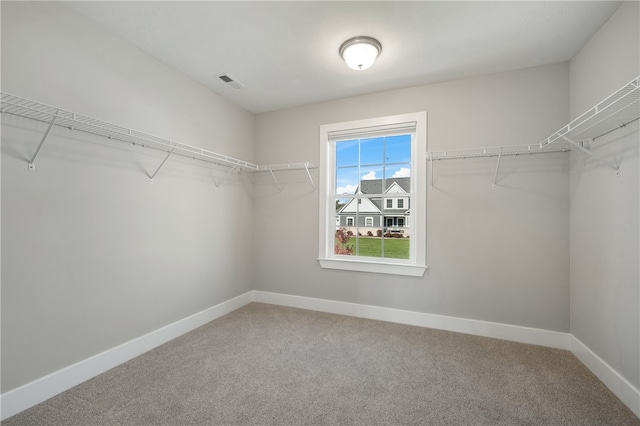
(275, 180)
(32, 166)
(306, 167)
(596, 156)
(495, 176)
(162, 164)
(218, 185)
(431, 171)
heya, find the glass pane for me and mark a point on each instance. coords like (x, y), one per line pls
(396, 235)
(371, 151)
(340, 204)
(369, 231)
(369, 246)
(398, 149)
(347, 153)
(371, 180)
(398, 171)
(346, 180)
(343, 243)
(398, 185)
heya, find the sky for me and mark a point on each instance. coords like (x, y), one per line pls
(373, 158)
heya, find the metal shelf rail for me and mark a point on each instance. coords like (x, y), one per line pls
(494, 151)
(26, 108)
(614, 112)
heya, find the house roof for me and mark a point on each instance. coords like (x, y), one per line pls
(374, 186)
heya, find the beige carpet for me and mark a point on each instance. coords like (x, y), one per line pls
(271, 365)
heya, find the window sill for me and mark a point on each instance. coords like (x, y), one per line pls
(374, 267)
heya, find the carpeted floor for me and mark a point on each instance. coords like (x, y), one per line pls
(270, 365)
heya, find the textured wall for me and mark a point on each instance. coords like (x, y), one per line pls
(605, 208)
(494, 254)
(92, 254)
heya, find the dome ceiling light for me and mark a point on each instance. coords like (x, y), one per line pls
(360, 52)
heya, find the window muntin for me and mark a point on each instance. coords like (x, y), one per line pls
(362, 163)
(364, 181)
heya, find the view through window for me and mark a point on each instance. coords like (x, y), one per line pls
(372, 196)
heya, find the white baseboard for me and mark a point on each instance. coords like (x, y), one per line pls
(514, 333)
(39, 390)
(620, 386)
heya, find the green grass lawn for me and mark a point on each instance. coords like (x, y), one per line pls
(397, 248)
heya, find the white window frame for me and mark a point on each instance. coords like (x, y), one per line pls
(415, 123)
(368, 221)
(351, 219)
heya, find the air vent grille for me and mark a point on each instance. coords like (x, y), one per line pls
(230, 81)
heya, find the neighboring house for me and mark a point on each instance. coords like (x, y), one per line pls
(388, 213)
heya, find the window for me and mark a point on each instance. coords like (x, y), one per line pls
(337, 220)
(362, 163)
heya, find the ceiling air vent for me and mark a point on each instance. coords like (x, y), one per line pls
(230, 81)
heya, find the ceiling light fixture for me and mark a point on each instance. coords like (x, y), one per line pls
(360, 52)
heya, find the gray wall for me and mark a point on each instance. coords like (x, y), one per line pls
(605, 209)
(92, 254)
(494, 254)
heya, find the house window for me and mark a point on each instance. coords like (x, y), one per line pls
(337, 220)
(362, 163)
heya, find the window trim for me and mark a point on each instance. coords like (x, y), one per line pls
(415, 123)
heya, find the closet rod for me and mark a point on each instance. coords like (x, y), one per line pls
(57, 117)
(26, 108)
(496, 151)
(615, 111)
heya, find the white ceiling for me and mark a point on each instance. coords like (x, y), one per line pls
(286, 53)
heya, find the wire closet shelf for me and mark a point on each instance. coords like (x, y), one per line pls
(58, 117)
(614, 112)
